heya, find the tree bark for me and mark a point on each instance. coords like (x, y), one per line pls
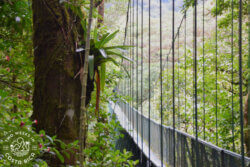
(57, 94)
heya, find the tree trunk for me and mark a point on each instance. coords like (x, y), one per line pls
(57, 95)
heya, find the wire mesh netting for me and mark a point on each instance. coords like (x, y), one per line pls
(185, 144)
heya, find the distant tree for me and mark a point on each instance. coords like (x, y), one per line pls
(101, 13)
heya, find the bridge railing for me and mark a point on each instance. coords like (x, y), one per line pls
(185, 144)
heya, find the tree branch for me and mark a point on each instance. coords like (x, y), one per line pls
(83, 79)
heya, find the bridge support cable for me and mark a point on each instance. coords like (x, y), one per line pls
(161, 94)
(240, 85)
(126, 42)
(137, 71)
(141, 155)
(130, 70)
(149, 81)
(173, 81)
(216, 70)
(203, 70)
(195, 82)
(133, 66)
(232, 70)
(185, 68)
(178, 79)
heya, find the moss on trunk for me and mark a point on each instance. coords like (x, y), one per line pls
(56, 99)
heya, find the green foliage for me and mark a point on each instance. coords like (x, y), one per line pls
(185, 116)
(102, 53)
(17, 78)
(102, 151)
(104, 130)
(225, 8)
(49, 146)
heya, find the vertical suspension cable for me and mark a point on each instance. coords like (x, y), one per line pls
(129, 65)
(161, 112)
(126, 85)
(195, 82)
(141, 80)
(216, 73)
(193, 91)
(178, 76)
(240, 85)
(167, 95)
(185, 54)
(130, 108)
(149, 80)
(137, 63)
(127, 95)
(203, 70)
(133, 53)
(173, 8)
(232, 60)
(126, 26)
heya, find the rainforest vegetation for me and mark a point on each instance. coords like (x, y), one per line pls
(49, 87)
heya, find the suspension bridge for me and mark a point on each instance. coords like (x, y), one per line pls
(180, 94)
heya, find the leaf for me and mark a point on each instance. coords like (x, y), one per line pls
(73, 145)
(84, 27)
(117, 64)
(91, 66)
(98, 43)
(42, 132)
(54, 137)
(103, 53)
(75, 142)
(79, 49)
(59, 156)
(66, 154)
(119, 54)
(95, 35)
(98, 90)
(62, 144)
(104, 40)
(118, 46)
(50, 139)
(103, 75)
(112, 60)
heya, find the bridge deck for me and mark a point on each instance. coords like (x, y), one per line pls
(126, 124)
